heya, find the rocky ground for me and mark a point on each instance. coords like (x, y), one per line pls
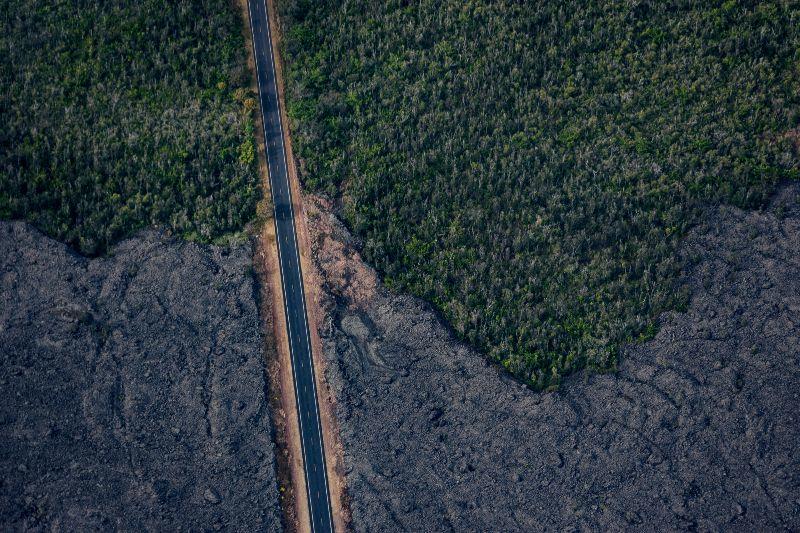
(132, 388)
(697, 430)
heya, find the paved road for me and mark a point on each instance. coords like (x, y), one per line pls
(291, 276)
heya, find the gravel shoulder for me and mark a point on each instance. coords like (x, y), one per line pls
(132, 388)
(696, 430)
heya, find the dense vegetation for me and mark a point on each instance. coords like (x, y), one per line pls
(119, 114)
(529, 167)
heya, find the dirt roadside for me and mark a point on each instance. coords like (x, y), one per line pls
(291, 479)
(330, 431)
(287, 433)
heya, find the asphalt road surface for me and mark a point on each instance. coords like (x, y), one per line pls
(291, 276)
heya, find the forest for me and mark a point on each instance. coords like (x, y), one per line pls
(119, 115)
(529, 168)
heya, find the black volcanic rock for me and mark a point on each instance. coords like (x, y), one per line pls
(698, 430)
(132, 388)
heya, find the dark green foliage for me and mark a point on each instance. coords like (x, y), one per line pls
(119, 114)
(529, 167)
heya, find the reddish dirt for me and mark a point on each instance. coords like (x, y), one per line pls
(340, 265)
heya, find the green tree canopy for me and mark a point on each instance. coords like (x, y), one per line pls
(529, 167)
(117, 115)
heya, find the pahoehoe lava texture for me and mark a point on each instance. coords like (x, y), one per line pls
(697, 430)
(132, 388)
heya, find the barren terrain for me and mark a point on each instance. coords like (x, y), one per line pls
(132, 388)
(696, 430)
